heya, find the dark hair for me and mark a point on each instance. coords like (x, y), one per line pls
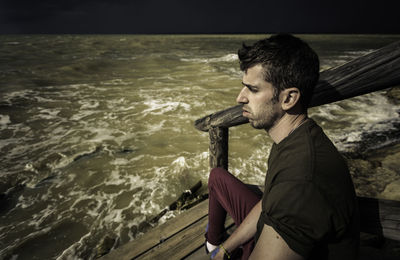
(287, 61)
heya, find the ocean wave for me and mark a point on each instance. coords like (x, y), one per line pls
(48, 114)
(12, 43)
(225, 58)
(357, 53)
(347, 122)
(343, 58)
(18, 95)
(159, 107)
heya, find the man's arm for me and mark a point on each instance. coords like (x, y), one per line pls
(244, 232)
(271, 246)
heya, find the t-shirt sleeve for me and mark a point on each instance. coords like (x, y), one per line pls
(299, 214)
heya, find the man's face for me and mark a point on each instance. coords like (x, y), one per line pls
(257, 97)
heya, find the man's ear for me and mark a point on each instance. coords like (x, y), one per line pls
(291, 96)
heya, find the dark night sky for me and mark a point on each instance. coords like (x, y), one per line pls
(199, 16)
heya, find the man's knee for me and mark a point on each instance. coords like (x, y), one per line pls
(216, 175)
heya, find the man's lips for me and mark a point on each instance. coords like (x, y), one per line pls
(246, 113)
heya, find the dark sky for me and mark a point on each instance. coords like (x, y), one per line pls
(199, 16)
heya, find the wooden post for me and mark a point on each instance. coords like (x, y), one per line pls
(219, 147)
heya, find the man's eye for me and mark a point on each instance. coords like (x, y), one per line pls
(253, 90)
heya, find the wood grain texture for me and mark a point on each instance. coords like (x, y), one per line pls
(219, 138)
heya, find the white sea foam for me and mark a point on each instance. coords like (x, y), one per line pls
(114, 216)
(102, 134)
(228, 58)
(358, 53)
(48, 114)
(4, 120)
(12, 43)
(344, 58)
(353, 137)
(88, 104)
(225, 58)
(15, 95)
(180, 162)
(82, 114)
(42, 99)
(361, 115)
(25, 202)
(116, 82)
(120, 161)
(169, 215)
(159, 107)
(38, 218)
(70, 252)
(62, 162)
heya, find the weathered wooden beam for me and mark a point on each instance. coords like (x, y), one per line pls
(225, 118)
(372, 72)
(380, 217)
(219, 138)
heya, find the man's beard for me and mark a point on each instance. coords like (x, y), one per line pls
(267, 122)
(269, 117)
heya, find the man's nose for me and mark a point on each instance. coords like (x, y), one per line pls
(241, 98)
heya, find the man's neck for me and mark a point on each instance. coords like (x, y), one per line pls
(286, 125)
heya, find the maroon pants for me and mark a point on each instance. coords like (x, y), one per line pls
(227, 194)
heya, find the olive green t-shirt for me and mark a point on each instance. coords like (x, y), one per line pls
(309, 197)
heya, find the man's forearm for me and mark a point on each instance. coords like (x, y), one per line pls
(246, 230)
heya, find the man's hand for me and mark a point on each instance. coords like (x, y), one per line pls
(245, 231)
(242, 234)
(218, 256)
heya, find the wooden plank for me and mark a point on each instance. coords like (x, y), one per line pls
(155, 236)
(380, 217)
(372, 72)
(180, 244)
(183, 243)
(200, 254)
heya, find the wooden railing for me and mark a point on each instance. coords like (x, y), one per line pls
(375, 71)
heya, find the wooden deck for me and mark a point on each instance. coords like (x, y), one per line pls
(179, 238)
(183, 236)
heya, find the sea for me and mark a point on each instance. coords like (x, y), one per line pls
(97, 132)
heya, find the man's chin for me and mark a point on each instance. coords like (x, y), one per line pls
(258, 125)
(254, 124)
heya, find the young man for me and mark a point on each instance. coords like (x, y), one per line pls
(309, 208)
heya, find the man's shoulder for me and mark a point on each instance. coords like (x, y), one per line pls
(304, 154)
(302, 140)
